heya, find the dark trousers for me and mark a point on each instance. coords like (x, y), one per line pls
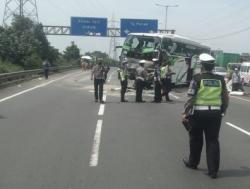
(139, 88)
(98, 84)
(46, 73)
(157, 97)
(124, 85)
(207, 122)
(166, 86)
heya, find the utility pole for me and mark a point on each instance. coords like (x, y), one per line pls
(112, 45)
(166, 7)
(26, 8)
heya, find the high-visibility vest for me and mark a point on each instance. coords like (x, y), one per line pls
(123, 74)
(163, 72)
(209, 93)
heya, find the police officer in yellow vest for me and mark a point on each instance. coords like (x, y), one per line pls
(166, 80)
(209, 98)
(123, 77)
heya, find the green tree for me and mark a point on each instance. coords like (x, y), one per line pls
(24, 43)
(72, 52)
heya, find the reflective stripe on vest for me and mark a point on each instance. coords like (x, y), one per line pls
(209, 93)
(123, 75)
(163, 72)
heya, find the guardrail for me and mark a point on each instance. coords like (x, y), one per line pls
(7, 79)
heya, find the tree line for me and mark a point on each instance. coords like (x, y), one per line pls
(24, 46)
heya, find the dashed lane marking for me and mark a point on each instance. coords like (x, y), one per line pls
(110, 77)
(101, 110)
(238, 128)
(96, 145)
(176, 97)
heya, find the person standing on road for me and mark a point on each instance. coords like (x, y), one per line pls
(141, 75)
(46, 66)
(157, 82)
(236, 80)
(98, 74)
(209, 97)
(123, 77)
(166, 79)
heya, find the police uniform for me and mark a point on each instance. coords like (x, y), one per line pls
(210, 101)
(123, 76)
(98, 73)
(166, 81)
(157, 84)
(141, 75)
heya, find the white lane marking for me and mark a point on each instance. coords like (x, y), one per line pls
(240, 98)
(101, 110)
(105, 97)
(96, 145)
(238, 128)
(110, 77)
(33, 88)
(176, 97)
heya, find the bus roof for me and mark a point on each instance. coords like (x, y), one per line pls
(245, 64)
(175, 37)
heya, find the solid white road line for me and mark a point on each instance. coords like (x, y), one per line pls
(238, 128)
(96, 145)
(240, 98)
(101, 110)
(176, 97)
(33, 88)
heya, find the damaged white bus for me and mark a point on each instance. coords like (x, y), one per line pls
(180, 52)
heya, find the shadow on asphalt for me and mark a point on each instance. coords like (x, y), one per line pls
(147, 102)
(2, 117)
(242, 172)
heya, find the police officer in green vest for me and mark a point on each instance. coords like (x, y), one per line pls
(209, 99)
(123, 77)
(157, 81)
(166, 80)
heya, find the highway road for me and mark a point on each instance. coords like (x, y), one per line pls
(54, 136)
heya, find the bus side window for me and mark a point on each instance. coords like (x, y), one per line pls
(167, 44)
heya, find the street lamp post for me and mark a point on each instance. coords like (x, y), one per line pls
(166, 7)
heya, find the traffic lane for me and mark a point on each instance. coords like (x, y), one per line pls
(144, 149)
(7, 91)
(46, 138)
(238, 113)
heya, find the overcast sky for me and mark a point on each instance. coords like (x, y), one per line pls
(197, 19)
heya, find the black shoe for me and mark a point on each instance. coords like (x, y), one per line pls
(96, 100)
(101, 101)
(213, 175)
(188, 165)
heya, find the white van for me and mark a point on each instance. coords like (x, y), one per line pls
(245, 72)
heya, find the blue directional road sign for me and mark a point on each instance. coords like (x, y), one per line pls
(138, 26)
(88, 26)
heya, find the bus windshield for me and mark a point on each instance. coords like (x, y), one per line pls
(141, 47)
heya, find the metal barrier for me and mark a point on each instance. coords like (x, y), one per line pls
(7, 79)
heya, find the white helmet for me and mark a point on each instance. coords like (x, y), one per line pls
(204, 57)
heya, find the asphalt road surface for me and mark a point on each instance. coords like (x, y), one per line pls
(54, 136)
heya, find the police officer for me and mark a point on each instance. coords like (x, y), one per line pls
(46, 66)
(166, 79)
(157, 82)
(209, 97)
(123, 77)
(98, 74)
(141, 75)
